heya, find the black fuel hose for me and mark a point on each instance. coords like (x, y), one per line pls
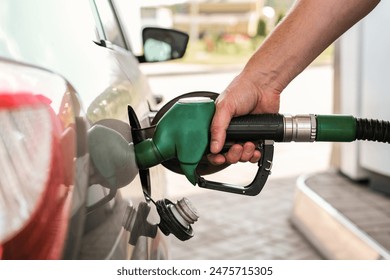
(373, 130)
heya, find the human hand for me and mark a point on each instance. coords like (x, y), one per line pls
(241, 97)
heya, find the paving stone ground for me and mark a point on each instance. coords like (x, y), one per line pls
(240, 227)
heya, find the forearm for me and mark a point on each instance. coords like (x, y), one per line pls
(309, 28)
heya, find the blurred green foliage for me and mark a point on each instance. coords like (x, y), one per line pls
(220, 52)
(224, 49)
(261, 28)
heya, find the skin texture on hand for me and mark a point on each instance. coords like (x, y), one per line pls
(308, 29)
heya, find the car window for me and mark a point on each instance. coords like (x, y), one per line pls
(111, 27)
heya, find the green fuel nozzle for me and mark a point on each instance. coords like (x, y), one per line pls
(182, 133)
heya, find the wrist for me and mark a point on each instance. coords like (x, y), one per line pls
(266, 80)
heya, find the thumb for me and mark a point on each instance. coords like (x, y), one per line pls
(218, 128)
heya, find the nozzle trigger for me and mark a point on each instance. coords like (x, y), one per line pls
(255, 187)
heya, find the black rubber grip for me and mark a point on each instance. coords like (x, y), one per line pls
(256, 127)
(373, 130)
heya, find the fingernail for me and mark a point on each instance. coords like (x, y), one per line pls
(214, 147)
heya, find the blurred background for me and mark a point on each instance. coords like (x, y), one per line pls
(221, 32)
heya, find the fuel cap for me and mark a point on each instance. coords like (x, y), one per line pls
(177, 218)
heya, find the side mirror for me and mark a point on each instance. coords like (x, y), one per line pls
(163, 44)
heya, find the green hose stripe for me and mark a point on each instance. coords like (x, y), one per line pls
(336, 128)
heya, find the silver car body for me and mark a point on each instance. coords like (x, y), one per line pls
(85, 47)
